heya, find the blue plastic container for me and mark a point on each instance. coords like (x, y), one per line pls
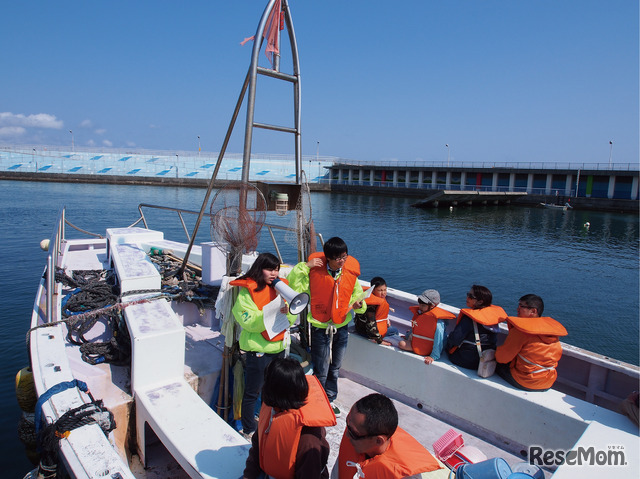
(530, 469)
(496, 468)
(519, 475)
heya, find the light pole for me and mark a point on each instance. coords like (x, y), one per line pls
(448, 154)
(198, 146)
(610, 152)
(73, 146)
(177, 158)
(35, 158)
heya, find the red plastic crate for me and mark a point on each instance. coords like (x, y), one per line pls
(448, 444)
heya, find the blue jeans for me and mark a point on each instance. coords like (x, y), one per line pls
(327, 371)
(392, 331)
(253, 381)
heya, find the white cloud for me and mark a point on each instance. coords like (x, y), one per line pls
(39, 120)
(91, 143)
(107, 143)
(130, 144)
(86, 124)
(100, 131)
(12, 131)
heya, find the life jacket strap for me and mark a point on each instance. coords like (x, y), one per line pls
(424, 337)
(542, 368)
(359, 474)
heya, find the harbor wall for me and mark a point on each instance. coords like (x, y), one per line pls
(596, 204)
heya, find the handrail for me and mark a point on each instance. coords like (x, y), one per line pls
(55, 242)
(181, 211)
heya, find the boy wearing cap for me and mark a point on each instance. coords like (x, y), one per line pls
(427, 327)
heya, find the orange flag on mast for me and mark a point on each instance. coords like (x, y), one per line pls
(275, 22)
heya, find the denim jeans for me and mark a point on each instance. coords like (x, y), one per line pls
(327, 371)
(253, 381)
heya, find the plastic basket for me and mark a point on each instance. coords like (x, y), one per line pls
(448, 444)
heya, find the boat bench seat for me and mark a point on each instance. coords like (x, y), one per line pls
(496, 410)
(200, 441)
(136, 272)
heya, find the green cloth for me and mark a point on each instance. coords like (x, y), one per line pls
(299, 281)
(251, 320)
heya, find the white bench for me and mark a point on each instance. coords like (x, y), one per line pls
(134, 268)
(201, 442)
(87, 451)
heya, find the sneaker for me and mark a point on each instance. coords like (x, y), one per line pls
(247, 436)
(336, 410)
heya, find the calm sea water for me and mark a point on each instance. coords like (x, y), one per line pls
(588, 278)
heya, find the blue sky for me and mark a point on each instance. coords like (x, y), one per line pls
(497, 80)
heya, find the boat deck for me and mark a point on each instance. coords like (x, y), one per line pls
(424, 395)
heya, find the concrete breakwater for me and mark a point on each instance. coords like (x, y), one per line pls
(580, 203)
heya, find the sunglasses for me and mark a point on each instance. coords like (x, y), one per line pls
(471, 296)
(357, 437)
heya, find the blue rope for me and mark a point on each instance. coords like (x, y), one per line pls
(58, 388)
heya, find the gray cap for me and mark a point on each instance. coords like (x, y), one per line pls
(430, 296)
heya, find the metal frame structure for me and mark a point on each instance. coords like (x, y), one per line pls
(249, 86)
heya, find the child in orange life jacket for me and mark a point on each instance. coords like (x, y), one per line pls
(291, 438)
(532, 349)
(427, 327)
(374, 323)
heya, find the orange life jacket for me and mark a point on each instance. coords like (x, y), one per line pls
(404, 457)
(330, 298)
(535, 365)
(279, 434)
(382, 312)
(489, 316)
(261, 299)
(423, 328)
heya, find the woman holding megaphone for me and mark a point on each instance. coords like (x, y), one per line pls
(260, 312)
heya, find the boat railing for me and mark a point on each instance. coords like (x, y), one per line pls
(181, 212)
(55, 242)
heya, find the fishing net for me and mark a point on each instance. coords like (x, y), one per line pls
(238, 212)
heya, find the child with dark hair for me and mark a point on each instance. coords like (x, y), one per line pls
(331, 280)
(530, 353)
(291, 441)
(373, 445)
(374, 322)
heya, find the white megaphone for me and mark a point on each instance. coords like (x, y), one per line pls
(297, 301)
